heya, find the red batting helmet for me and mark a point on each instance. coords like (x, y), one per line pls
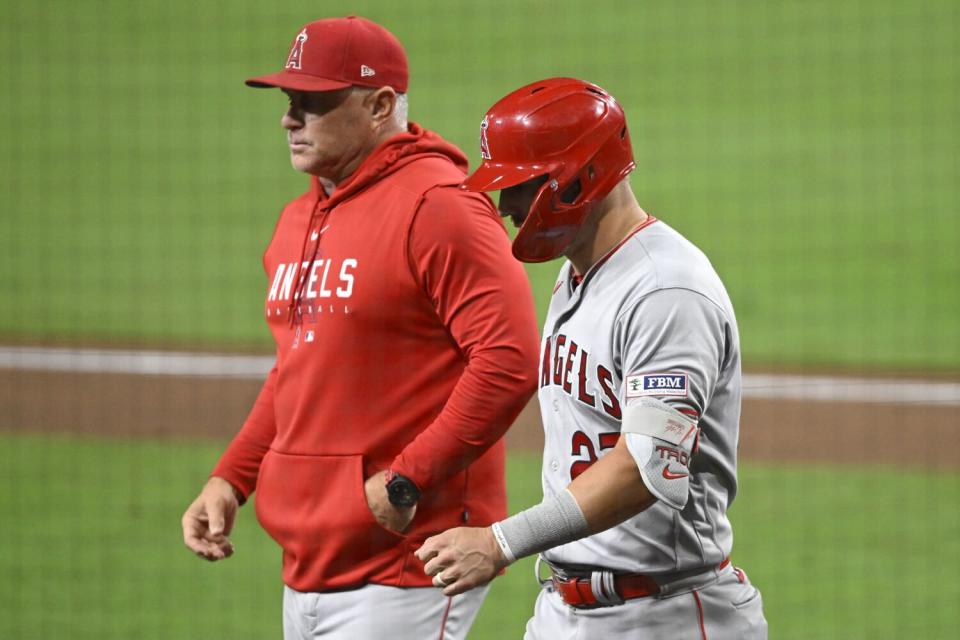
(569, 130)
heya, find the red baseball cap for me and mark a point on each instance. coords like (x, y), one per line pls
(336, 53)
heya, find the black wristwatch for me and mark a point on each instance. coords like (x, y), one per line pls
(401, 491)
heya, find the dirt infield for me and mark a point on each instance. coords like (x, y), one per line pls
(184, 407)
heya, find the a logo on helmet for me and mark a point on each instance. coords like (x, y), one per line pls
(296, 53)
(484, 145)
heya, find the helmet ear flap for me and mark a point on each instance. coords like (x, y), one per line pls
(581, 184)
(571, 193)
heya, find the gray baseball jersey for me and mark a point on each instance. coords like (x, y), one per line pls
(651, 320)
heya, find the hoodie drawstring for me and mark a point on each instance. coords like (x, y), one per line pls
(293, 309)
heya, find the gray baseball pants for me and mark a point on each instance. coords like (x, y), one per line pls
(725, 607)
(378, 612)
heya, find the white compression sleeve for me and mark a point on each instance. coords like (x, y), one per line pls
(553, 522)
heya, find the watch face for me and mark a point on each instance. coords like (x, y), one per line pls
(402, 492)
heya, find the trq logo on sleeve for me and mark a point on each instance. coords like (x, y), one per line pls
(657, 384)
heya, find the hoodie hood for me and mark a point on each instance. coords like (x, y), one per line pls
(394, 153)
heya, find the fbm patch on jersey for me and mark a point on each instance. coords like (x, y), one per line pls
(657, 384)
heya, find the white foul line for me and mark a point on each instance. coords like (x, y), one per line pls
(240, 367)
(145, 363)
(841, 389)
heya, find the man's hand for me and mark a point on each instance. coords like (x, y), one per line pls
(209, 519)
(461, 559)
(389, 516)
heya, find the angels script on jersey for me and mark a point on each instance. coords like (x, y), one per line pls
(560, 357)
(321, 281)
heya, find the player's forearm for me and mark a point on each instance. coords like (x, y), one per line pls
(611, 490)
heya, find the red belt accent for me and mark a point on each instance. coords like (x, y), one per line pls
(578, 592)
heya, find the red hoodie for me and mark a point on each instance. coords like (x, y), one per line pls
(406, 338)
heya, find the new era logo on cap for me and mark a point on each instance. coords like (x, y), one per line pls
(657, 384)
(366, 72)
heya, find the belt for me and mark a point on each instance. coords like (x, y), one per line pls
(593, 589)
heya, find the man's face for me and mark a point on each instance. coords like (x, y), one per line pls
(329, 132)
(515, 201)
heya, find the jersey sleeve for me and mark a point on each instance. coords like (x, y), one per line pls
(672, 348)
(240, 463)
(459, 252)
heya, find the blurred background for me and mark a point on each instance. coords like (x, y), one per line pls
(810, 148)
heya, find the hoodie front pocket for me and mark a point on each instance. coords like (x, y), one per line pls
(315, 508)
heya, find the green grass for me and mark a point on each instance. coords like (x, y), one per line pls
(808, 147)
(90, 548)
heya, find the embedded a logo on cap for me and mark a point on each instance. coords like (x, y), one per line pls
(296, 53)
(484, 145)
(366, 72)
